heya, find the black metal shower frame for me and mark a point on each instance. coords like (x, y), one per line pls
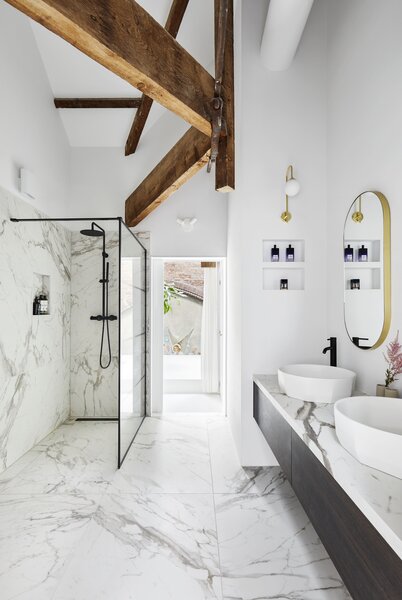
(121, 223)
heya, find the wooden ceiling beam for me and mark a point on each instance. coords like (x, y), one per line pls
(185, 159)
(225, 161)
(175, 17)
(124, 38)
(97, 102)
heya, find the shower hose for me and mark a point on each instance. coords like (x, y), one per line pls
(105, 322)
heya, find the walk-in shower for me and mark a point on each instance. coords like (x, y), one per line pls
(97, 231)
(110, 383)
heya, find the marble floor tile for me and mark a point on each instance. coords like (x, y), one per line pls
(72, 527)
(73, 459)
(8, 477)
(169, 455)
(228, 476)
(269, 549)
(157, 547)
(37, 536)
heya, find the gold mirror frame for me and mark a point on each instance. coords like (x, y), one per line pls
(386, 251)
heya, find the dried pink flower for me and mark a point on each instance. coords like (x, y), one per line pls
(393, 357)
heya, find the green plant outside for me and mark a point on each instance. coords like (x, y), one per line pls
(169, 292)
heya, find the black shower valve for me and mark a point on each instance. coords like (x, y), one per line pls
(101, 318)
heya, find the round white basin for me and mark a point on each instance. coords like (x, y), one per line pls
(316, 383)
(370, 428)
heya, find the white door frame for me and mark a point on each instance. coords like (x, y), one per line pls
(157, 277)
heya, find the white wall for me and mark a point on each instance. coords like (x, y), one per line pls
(103, 178)
(283, 121)
(31, 132)
(364, 148)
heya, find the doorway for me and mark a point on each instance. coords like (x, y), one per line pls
(188, 336)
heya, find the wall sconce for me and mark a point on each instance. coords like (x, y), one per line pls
(187, 224)
(358, 215)
(292, 188)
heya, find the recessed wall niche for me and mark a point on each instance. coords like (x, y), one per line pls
(41, 295)
(283, 260)
(282, 245)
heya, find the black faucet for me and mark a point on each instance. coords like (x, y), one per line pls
(332, 350)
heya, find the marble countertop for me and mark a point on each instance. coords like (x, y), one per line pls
(378, 495)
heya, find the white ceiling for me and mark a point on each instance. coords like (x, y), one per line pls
(72, 74)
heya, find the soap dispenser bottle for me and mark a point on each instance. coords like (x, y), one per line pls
(275, 254)
(290, 253)
(43, 304)
(363, 254)
(35, 306)
(348, 254)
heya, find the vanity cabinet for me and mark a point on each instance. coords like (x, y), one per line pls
(369, 567)
(275, 429)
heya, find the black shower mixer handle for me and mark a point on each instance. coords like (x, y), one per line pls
(100, 318)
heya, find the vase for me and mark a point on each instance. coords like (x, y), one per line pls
(390, 393)
(380, 390)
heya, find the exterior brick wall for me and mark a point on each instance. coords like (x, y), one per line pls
(187, 276)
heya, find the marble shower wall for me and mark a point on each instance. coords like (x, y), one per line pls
(93, 389)
(34, 350)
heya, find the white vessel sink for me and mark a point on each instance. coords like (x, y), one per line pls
(370, 428)
(316, 383)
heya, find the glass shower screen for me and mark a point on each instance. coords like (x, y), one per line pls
(132, 397)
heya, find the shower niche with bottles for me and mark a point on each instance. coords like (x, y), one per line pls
(41, 295)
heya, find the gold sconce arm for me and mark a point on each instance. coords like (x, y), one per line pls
(286, 215)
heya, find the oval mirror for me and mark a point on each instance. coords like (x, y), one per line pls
(367, 270)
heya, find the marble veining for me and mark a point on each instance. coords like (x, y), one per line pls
(377, 494)
(269, 549)
(93, 389)
(34, 350)
(170, 525)
(49, 365)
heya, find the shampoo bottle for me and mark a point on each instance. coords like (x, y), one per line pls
(348, 254)
(290, 253)
(363, 255)
(274, 254)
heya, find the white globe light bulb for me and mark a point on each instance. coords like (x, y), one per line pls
(292, 187)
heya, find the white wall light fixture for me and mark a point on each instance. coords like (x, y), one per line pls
(292, 188)
(187, 224)
(27, 183)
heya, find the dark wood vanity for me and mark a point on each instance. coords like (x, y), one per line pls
(369, 567)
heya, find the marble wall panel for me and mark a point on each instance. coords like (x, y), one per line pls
(93, 389)
(34, 349)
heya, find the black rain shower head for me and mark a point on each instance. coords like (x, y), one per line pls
(91, 232)
(99, 232)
